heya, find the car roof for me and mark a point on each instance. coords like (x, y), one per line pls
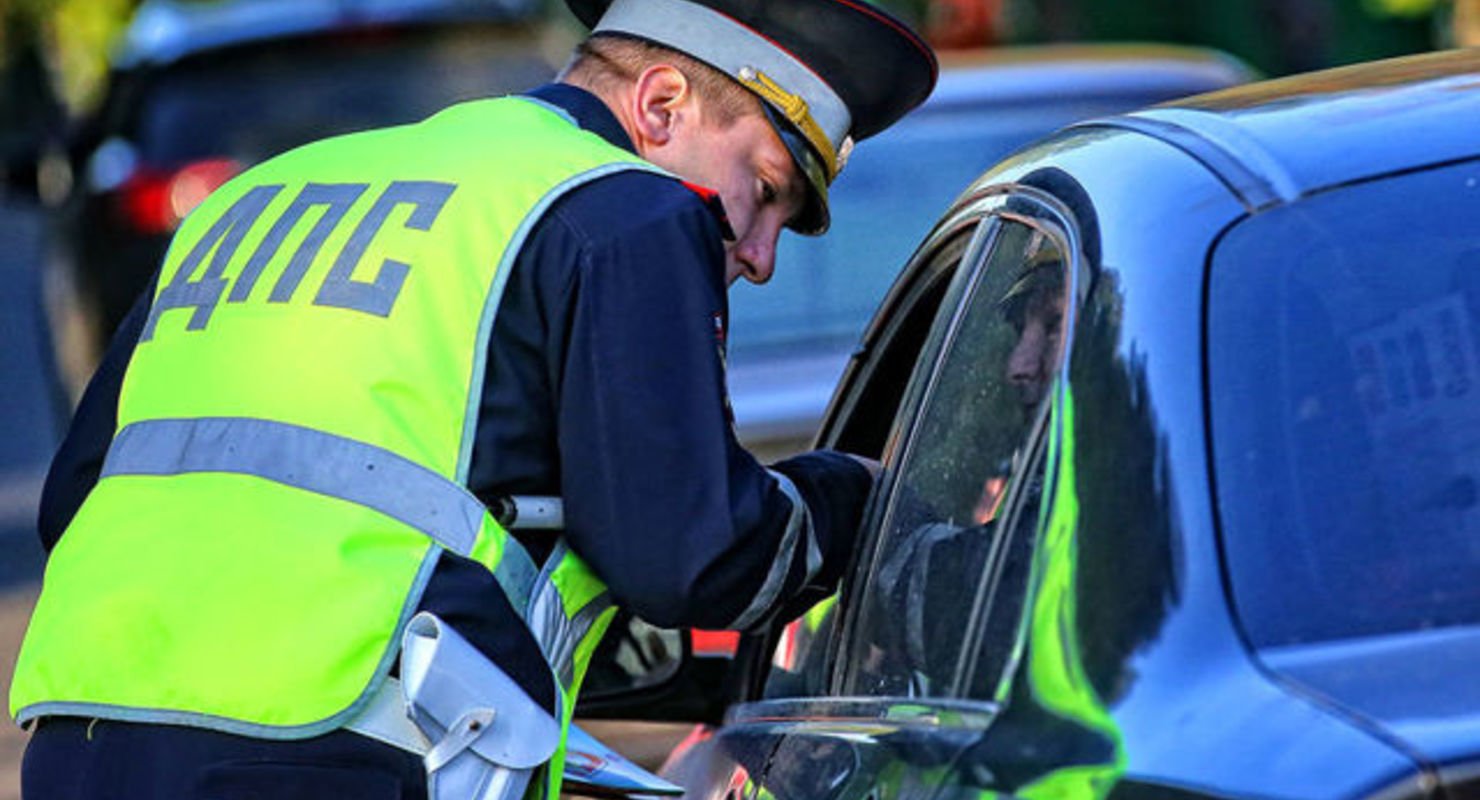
(163, 31)
(1032, 73)
(1278, 140)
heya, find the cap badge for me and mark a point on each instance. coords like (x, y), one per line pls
(794, 106)
(845, 152)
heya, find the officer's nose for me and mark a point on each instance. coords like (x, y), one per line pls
(756, 255)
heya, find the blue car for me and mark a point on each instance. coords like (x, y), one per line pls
(1180, 429)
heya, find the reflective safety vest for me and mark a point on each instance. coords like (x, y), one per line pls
(294, 436)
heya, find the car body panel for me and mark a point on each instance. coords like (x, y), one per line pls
(1392, 650)
(1358, 674)
(1427, 104)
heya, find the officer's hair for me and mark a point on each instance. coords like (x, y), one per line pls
(604, 61)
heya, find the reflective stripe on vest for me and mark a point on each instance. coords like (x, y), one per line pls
(307, 459)
(798, 533)
(324, 464)
(369, 476)
(296, 431)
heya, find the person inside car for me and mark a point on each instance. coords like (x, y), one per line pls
(937, 566)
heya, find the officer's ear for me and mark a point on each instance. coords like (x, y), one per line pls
(662, 101)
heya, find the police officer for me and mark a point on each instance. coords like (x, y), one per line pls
(278, 480)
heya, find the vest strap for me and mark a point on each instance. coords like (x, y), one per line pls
(560, 631)
(517, 575)
(306, 459)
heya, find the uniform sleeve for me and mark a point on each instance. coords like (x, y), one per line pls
(684, 525)
(79, 460)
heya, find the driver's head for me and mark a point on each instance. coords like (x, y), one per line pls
(1034, 306)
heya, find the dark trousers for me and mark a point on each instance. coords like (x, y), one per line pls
(81, 759)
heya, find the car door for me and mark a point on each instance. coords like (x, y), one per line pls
(879, 692)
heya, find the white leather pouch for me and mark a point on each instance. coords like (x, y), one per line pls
(487, 736)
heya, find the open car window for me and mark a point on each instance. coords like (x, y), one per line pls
(962, 470)
(799, 661)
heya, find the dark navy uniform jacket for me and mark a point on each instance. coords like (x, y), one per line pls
(605, 385)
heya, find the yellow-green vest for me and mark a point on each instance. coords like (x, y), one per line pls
(294, 435)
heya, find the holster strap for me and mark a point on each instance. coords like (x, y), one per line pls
(447, 683)
(385, 719)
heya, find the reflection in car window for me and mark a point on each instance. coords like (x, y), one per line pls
(798, 665)
(965, 456)
(1345, 374)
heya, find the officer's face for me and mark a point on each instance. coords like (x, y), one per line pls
(757, 180)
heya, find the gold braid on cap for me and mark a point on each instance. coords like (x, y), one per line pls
(796, 111)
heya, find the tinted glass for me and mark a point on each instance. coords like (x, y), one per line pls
(1346, 409)
(255, 102)
(963, 458)
(885, 202)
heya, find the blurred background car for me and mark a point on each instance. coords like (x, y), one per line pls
(790, 339)
(198, 91)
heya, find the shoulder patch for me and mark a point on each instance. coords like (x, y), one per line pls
(716, 207)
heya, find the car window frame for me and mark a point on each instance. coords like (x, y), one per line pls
(918, 290)
(1041, 457)
(979, 215)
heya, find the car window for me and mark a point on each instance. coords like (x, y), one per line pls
(1344, 360)
(799, 661)
(962, 467)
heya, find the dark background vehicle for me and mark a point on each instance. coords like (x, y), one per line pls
(200, 90)
(1228, 549)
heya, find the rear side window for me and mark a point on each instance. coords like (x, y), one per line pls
(1345, 395)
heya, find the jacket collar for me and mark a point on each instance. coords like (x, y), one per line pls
(588, 111)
